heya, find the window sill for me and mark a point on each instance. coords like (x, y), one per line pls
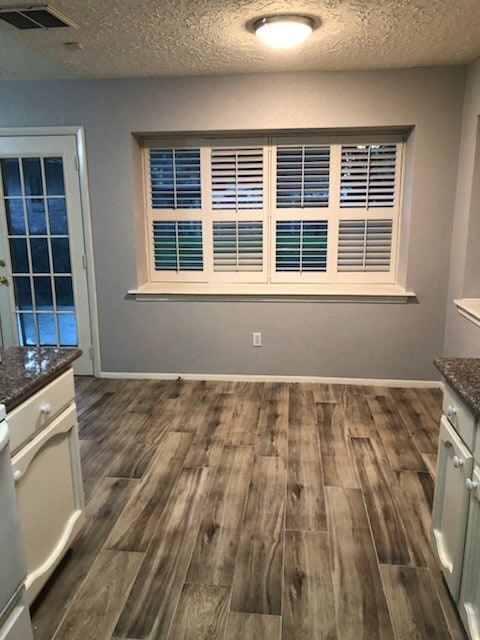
(384, 293)
(469, 308)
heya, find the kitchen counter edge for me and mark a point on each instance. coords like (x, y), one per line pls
(25, 370)
(463, 375)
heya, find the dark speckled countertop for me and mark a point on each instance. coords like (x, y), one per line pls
(463, 375)
(25, 370)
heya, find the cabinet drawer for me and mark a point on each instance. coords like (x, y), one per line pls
(460, 416)
(36, 412)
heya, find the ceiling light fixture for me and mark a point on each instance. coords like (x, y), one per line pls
(283, 32)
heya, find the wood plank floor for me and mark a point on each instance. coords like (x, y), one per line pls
(252, 511)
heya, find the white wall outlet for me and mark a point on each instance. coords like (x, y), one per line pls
(257, 339)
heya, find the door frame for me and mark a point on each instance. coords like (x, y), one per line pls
(79, 133)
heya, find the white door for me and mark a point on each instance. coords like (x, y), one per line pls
(44, 298)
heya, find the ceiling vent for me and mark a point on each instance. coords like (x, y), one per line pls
(35, 17)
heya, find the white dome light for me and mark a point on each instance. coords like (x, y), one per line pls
(283, 32)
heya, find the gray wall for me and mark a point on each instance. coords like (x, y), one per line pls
(462, 337)
(299, 338)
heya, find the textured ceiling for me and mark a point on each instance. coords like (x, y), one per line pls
(134, 38)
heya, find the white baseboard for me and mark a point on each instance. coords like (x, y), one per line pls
(269, 378)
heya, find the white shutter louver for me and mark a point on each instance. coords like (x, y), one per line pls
(368, 175)
(303, 174)
(177, 246)
(238, 246)
(364, 245)
(175, 179)
(301, 245)
(237, 178)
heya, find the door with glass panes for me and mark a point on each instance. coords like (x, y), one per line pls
(43, 280)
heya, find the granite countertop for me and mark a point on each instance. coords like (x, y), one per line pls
(25, 370)
(463, 375)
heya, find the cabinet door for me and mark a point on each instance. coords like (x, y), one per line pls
(49, 496)
(469, 603)
(450, 504)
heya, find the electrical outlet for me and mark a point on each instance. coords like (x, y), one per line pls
(257, 339)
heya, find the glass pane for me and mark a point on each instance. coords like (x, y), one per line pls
(54, 176)
(64, 293)
(19, 255)
(11, 177)
(26, 329)
(43, 293)
(40, 258)
(15, 217)
(61, 255)
(32, 176)
(23, 293)
(68, 330)
(57, 214)
(36, 216)
(47, 329)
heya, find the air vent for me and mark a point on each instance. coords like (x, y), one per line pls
(35, 17)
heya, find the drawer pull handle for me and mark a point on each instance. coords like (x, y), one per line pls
(46, 408)
(17, 476)
(457, 462)
(451, 411)
(471, 484)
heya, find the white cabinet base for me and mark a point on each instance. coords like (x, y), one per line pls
(469, 601)
(49, 496)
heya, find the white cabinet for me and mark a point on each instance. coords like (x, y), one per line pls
(469, 601)
(456, 509)
(450, 506)
(48, 484)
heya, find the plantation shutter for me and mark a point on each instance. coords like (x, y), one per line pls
(303, 176)
(238, 246)
(301, 246)
(175, 178)
(364, 245)
(177, 246)
(368, 175)
(237, 177)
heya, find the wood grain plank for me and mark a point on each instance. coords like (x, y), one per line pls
(417, 494)
(335, 446)
(308, 604)
(432, 401)
(392, 533)
(258, 571)
(430, 460)
(150, 607)
(253, 626)
(101, 513)
(399, 446)
(100, 599)
(108, 451)
(215, 550)
(415, 614)
(358, 417)
(360, 605)
(207, 446)
(248, 402)
(301, 408)
(305, 497)
(135, 528)
(330, 393)
(134, 460)
(272, 428)
(201, 613)
(420, 424)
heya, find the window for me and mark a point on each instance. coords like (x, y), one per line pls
(273, 213)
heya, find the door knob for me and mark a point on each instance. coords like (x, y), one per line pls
(457, 462)
(4, 281)
(471, 484)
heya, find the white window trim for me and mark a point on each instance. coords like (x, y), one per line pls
(335, 286)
